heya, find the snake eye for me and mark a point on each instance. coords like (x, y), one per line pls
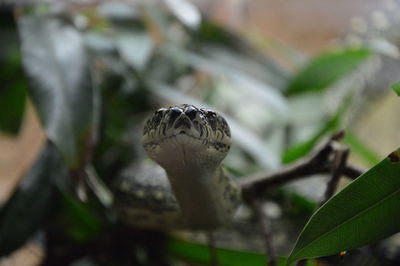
(191, 112)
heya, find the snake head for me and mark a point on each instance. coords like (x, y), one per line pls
(183, 132)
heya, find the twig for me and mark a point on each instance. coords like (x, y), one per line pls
(320, 162)
(337, 169)
(265, 223)
(212, 249)
(338, 165)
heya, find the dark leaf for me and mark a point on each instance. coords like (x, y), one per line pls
(33, 201)
(60, 83)
(82, 224)
(364, 212)
(13, 88)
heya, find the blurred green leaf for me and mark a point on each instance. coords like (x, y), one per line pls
(211, 35)
(12, 102)
(364, 212)
(135, 47)
(12, 79)
(396, 88)
(304, 148)
(31, 205)
(326, 69)
(81, 224)
(199, 253)
(261, 91)
(57, 67)
(361, 149)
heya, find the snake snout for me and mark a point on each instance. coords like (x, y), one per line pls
(182, 122)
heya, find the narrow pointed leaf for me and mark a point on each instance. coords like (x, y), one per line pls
(12, 79)
(326, 69)
(59, 81)
(364, 212)
(33, 201)
(306, 147)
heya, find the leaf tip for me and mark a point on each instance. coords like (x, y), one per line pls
(396, 88)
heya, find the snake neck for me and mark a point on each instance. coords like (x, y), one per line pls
(205, 196)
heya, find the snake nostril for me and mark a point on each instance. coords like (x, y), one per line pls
(191, 112)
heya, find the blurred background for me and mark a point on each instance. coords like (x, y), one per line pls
(287, 74)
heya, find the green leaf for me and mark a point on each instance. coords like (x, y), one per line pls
(58, 72)
(304, 148)
(364, 212)
(12, 102)
(199, 253)
(360, 148)
(325, 69)
(12, 78)
(33, 201)
(396, 88)
(81, 224)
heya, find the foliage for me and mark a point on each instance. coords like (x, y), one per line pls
(356, 208)
(94, 74)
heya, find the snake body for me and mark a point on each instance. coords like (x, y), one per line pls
(187, 188)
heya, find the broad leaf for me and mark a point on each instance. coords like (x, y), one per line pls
(364, 212)
(199, 253)
(60, 83)
(396, 88)
(324, 70)
(33, 201)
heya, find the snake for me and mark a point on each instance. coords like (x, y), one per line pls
(185, 185)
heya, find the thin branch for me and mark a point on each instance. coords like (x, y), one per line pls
(338, 165)
(320, 162)
(265, 223)
(212, 249)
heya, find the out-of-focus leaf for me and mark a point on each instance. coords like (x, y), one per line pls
(261, 91)
(396, 88)
(33, 201)
(12, 102)
(211, 34)
(12, 79)
(56, 63)
(246, 139)
(362, 213)
(304, 148)
(81, 224)
(325, 69)
(360, 148)
(135, 47)
(383, 46)
(199, 253)
(186, 12)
